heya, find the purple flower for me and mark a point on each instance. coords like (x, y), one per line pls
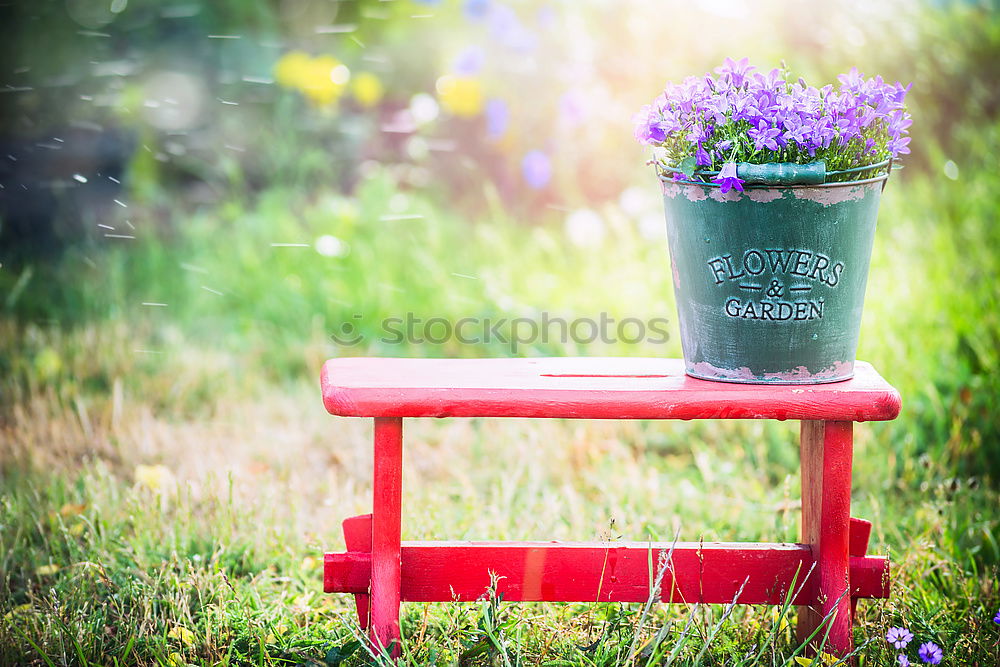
(475, 10)
(744, 107)
(643, 127)
(903, 660)
(702, 157)
(536, 169)
(862, 118)
(770, 80)
(822, 132)
(930, 653)
(507, 29)
(898, 146)
(717, 107)
(851, 80)
(996, 619)
(899, 637)
(727, 178)
(735, 72)
(764, 136)
(469, 61)
(699, 133)
(497, 118)
(797, 131)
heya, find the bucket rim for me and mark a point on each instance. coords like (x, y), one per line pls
(770, 186)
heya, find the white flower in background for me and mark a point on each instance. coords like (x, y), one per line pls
(634, 201)
(330, 246)
(417, 148)
(585, 228)
(399, 202)
(424, 108)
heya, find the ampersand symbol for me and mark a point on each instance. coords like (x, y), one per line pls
(776, 289)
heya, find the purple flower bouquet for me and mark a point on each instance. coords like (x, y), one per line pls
(705, 128)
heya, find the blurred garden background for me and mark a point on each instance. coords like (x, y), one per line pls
(200, 201)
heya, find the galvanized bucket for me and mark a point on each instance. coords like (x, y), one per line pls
(770, 282)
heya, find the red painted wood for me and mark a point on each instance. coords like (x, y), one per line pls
(860, 534)
(586, 388)
(387, 482)
(826, 456)
(358, 537)
(869, 577)
(611, 572)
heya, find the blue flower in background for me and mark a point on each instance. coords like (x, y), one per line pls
(469, 61)
(899, 637)
(996, 619)
(930, 653)
(497, 118)
(506, 28)
(476, 10)
(536, 169)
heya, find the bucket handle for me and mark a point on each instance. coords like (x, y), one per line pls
(785, 173)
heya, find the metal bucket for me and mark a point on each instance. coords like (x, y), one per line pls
(770, 282)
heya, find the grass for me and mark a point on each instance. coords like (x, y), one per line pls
(170, 481)
(226, 547)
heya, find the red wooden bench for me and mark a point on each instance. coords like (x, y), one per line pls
(830, 566)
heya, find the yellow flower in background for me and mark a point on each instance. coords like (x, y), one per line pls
(153, 477)
(19, 610)
(461, 95)
(182, 635)
(290, 70)
(325, 80)
(47, 364)
(47, 570)
(322, 79)
(72, 509)
(367, 89)
(823, 659)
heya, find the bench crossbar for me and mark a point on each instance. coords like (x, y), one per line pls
(596, 572)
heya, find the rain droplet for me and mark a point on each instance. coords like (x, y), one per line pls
(951, 170)
(330, 246)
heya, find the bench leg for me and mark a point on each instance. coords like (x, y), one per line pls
(387, 483)
(826, 452)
